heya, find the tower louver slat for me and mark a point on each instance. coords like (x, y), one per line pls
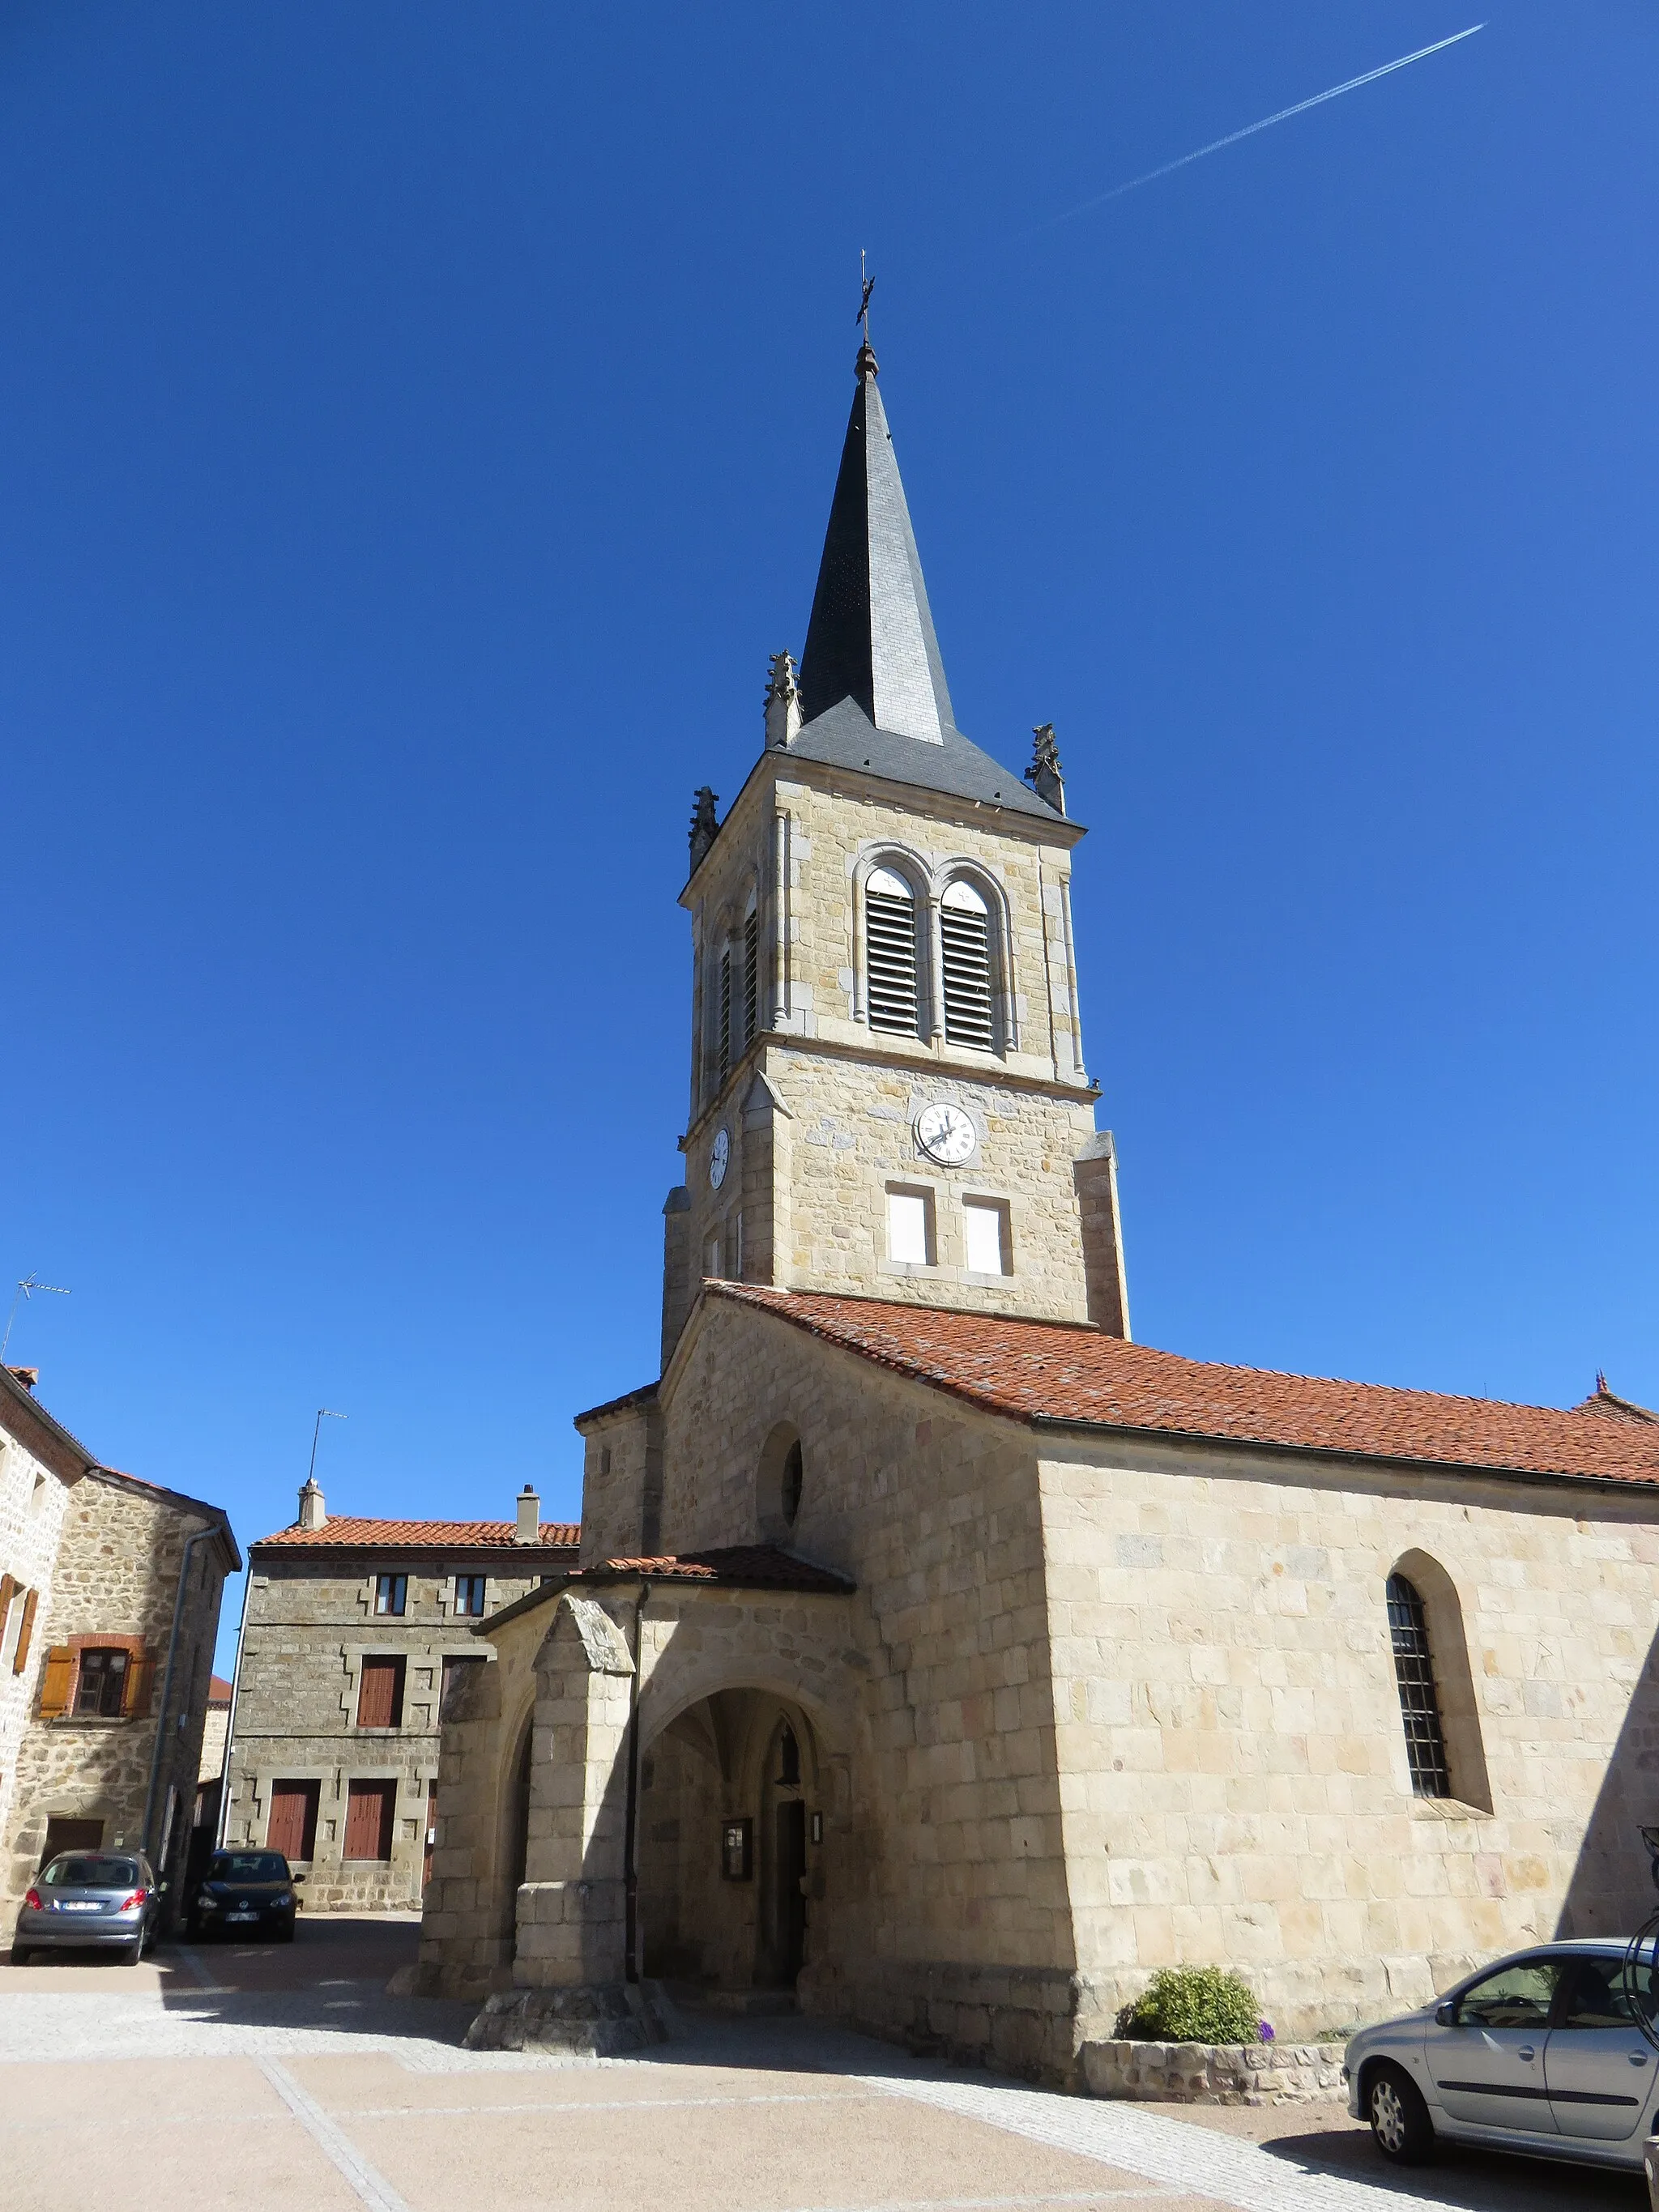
(890, 962)
(750, 978)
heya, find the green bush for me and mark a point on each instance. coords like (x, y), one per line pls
(1192, 2004)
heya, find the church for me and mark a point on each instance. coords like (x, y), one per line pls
(936, 1658)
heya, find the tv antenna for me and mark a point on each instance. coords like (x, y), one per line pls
(26, 1289)
(323, 1414)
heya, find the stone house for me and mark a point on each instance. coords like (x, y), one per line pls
(110, 1590)
(936, 1652)
(352, 1633)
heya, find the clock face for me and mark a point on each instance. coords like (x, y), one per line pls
(946, 1134)
(719, 1154)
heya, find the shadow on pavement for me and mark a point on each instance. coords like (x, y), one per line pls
(1473, 2180)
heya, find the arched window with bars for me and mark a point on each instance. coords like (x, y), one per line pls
(1419, 1696)
(967, 950)
(890, 954)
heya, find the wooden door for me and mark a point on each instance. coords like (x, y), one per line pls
(293, 1827)
(380, 1694)
(370, 1807)
(789, 1866)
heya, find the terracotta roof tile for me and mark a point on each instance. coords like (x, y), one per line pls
(1048, 1370)
(357, 1533)
(733, 1566)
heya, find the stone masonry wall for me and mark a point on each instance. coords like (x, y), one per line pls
(118, 1559)
(310, 1623)
(1233, 1761)
(33, 1496)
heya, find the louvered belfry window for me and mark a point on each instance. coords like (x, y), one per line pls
(750, 977)
(890, 937)
(1419, 1701)
(725, 1011)
(965, 938)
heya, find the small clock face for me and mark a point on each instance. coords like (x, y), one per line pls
(946, 1134)
(719, 1154)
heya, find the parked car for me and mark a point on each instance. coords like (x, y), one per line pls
(1543, 2053)
(243, 1893)
(107, 1899)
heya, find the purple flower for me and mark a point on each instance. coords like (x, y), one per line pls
(1267, 2028)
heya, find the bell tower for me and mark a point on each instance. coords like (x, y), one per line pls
(888, 1091)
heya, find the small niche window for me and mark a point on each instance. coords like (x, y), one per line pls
(750, 977)
(985, 1234)
(470, 1595)
(910, 1227)
(1419, 1699)
(890, 933)
(789, 1482)
(788, 1759)
(391, 1593)
(101, 1686)
(965, 946)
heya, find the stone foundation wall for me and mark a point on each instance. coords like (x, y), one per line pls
(1216, 2073)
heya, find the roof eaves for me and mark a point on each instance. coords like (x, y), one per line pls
(1339, 1454)
(645, 1395)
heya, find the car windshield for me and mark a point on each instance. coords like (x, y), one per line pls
(248, 1866)
(92, 1873)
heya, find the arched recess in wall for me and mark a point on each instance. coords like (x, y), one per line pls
(893, 983)
(779, 1481)
(1448, 1646)
(976, 959)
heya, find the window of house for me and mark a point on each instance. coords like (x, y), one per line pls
(101, 1683)
(984, 1230)
(1419, 1699)
(911, 1226)
(371, 1808)
(470, 1595)
(391, 1593)
(889, 957)
(964, 922)
(380, 1692)
(750, 977)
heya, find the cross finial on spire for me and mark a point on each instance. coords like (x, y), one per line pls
(866, 364)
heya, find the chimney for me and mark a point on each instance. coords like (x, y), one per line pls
(529, 1530)
(312, 1515)
(28, 1376)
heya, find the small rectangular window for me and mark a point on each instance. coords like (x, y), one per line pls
(711, 1257)
(985, 1222)
(102, 1682)
(470, 1595)
(910, 1227)
(391, 1593)
(380, 1694)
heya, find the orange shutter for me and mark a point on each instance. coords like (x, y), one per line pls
(20, 1658)
(135, 1697)
(55, 1687)
(8, 1589)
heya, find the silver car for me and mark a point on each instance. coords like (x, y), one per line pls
(105, 1899)
(1542, 2052)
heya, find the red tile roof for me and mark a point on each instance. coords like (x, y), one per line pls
(733, 1566)
(1038, 1370)
(357, 1533)
(219, 1690)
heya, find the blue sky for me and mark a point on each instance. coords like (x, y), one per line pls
(419, 425)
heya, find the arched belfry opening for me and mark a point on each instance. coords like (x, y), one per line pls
(730, 1823)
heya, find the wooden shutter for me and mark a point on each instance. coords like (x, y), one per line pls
(20, 1658)
(55, 1685)
(293, 1826)
(8, 1589)
(136, 1689)
(380, 1694)
(370, 1806)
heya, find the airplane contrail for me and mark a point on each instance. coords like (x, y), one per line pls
(1250, 128)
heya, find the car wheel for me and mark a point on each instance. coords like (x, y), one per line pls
(285, 1933)
(1401, 2126)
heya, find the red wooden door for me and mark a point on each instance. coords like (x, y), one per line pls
(380, 1694)
(369, 1809)
(293, 1827)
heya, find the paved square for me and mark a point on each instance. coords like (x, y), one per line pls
(250, 2079)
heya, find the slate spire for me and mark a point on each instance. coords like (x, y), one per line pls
(871, 635)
